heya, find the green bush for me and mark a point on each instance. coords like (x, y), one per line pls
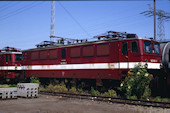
(80, 90)
(94, 92)
(136, 83)
(34, 80)
(111, 93)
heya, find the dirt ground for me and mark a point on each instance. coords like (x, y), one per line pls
(56, 104)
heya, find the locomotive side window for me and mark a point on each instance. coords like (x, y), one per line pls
(63, 53)
(53, 54)
(103, 50)
(43, 55)
(157, 48)
(34, 56)
(88, 51)
(7, 58)
(18, 57)
(124, 48)
(134, 47)
(75, 52)
(148, 47)
(169, 55)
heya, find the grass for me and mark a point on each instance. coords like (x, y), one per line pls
(61, 88)
(7, 85)
(159, 99)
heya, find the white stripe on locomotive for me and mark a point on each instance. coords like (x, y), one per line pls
(122, 65)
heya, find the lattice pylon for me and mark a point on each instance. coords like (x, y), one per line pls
(52, 21)
(161, 28)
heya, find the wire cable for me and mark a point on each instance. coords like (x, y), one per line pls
(74, 19)
(8, 6)
(20, 10)
(5, 5)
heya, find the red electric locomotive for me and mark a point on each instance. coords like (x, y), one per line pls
(97, 62)
(10, 64)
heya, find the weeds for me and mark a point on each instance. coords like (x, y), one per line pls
(60, 88)
(73, 90)
(50, 88)
(111, 93)
(6, 85)
(80, 90)
(41, 88)
(159, 99)
(94, 92)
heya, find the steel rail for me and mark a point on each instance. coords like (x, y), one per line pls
(111, 100)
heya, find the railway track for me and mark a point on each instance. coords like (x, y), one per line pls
(111, 100)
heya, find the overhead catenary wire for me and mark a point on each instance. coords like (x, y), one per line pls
(74, 19)
(9, 5)
(17, 10)
(20, 10)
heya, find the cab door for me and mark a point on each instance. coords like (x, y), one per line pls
(123, 55)
(7, 59)
(134, 56)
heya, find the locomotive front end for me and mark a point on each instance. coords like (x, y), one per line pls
(10, 64)
(151, 55)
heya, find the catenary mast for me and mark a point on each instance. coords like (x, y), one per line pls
(52, 29)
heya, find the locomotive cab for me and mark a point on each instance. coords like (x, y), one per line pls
(10, 62)
(138, 50)
(151, 54)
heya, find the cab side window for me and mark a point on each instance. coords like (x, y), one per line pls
(7, 58)
(134, 47)
(124, 48)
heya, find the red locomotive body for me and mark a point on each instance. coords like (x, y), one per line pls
(102, 60)
(10, 63)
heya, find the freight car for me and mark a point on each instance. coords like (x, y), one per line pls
(101, 62)
(10, 64)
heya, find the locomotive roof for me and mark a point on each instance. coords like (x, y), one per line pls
(10, 53)
(86, 43)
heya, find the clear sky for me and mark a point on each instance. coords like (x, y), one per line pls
(23, 24)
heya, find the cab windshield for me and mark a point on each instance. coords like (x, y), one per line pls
(150, 47)
(157, 48)
(147, 47)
